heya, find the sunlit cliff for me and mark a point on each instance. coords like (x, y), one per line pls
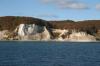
(28, 28)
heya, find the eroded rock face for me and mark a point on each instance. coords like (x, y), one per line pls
(3, 34)
(36, 32)
(8, 35)
(32, 32)
(73, 35)
(60, 34)
(29, 28)
(81, 36)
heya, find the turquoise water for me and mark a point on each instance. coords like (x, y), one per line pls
(14, 53)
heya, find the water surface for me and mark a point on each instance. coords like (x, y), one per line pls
(16, 53)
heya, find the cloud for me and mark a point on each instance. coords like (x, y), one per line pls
(48, 16)
(73, 5)
(65, 4)
(46, 1)
(98, 6)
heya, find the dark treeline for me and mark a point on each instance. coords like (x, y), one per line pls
(89, 26)
(69, 24)
(11, 22)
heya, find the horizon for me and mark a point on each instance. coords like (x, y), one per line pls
(51, 20)
(76, 10)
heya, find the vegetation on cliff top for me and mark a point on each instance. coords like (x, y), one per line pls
(11, 22)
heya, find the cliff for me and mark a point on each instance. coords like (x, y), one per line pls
(28, 28)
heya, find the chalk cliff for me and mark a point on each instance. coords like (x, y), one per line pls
(32, 32)
(73, 35)
(28, 28)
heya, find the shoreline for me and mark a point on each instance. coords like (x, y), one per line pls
(42, 41)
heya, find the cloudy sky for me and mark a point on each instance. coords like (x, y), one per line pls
(52, 9)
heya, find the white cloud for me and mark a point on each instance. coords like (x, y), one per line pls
(72, 4)
(98, 6)
(48, 16)
(46, 1)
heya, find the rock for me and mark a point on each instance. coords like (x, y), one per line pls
(66, 35)
(81, 36)
(33, 32)
(28, 28)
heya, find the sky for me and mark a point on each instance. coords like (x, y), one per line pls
(52, 9)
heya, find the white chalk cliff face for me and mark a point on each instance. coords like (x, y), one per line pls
(65, 35)
(32, 32)
(37, 32)
(3, 34)
(81, 36)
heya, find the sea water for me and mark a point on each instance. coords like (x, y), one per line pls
(28, 53)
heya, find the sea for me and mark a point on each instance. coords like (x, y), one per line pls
(50, 53)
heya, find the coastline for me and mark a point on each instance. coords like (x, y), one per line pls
(42, 41)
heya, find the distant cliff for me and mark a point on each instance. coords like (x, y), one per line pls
(28, 28)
